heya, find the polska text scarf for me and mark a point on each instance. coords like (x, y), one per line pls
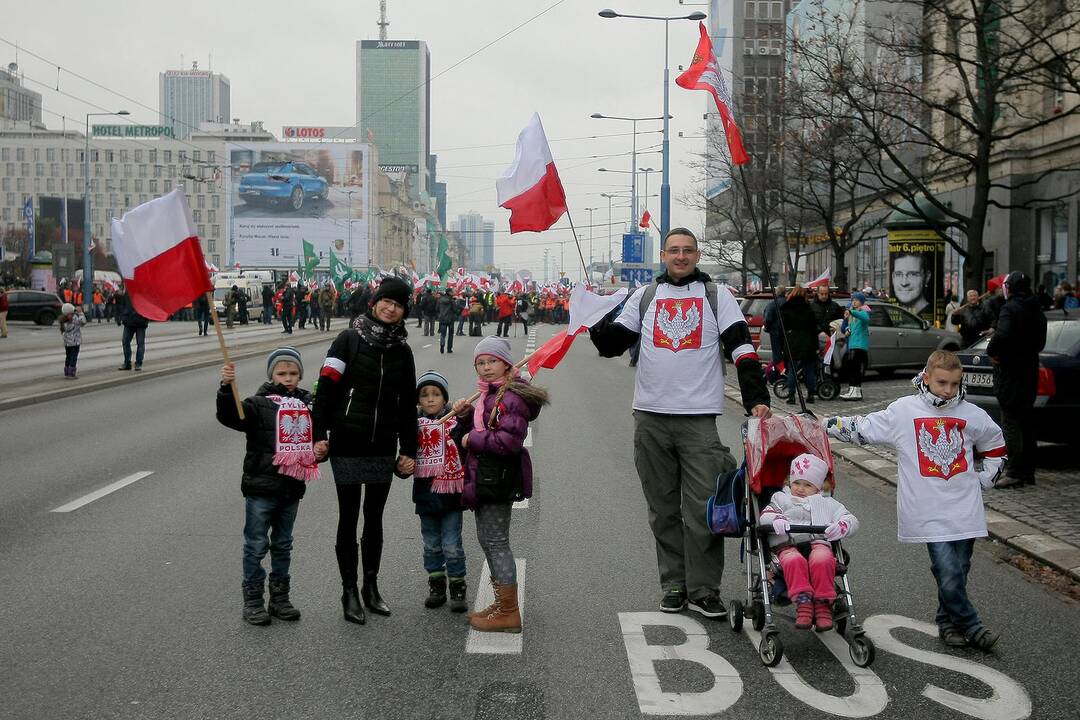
(437, 456)
(293, 452)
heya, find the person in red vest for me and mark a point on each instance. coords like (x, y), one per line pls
(68, 297)
(505, 304)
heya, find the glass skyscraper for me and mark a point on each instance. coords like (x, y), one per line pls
(392, 106)
(190, 97)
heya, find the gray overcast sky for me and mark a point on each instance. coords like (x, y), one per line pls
(293, 63)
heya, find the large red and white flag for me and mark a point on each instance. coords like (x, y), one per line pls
(530, 189)
(704, 74)
(646, 220)
(586, 309)
(823, 279)
(159, 256)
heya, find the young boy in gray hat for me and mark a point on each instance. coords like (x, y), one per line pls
(279, 463)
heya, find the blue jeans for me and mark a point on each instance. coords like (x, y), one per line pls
(140, 344)
(71, 355)
(950, 562)
(446, 335)
(268, 525)
(442, 543)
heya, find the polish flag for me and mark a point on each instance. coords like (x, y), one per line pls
(159, 256)
(822, 279)
(704, 74)
(586, 309)
(530, 189)
(645, 219)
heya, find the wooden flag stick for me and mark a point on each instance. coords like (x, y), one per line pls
(224, 352)
(476, 395)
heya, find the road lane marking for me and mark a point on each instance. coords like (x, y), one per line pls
(528, 439)
(102, 492)
(428, 345)
(521, 504)
(497, 643)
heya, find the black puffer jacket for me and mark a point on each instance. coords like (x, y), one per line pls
(801, 328)
(1015, 345)
(261, 477)
(446, 309)
(366, 399)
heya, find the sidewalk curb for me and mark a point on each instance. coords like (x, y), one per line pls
(1046, 549)
(133, 377)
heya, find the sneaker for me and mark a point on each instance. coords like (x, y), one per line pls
(953, 637)
(674, 600)
(710, 606)
(984, 639)
(124, 367)
(138, 368)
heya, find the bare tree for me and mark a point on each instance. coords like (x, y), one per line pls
(947, 94)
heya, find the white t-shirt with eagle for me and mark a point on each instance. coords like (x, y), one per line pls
(680, 369)
(939, 497)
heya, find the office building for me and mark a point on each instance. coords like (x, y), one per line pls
(478, 240)
(190, 97)
(17, 102)
(393, 107)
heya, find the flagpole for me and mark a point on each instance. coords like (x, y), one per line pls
(224, 352)
(476, 395)
(786, 356)
(584, 267)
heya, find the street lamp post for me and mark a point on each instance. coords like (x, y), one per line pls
(590, 211)
(348, 221)
(633, 155)
(609, 198)
(88, 270)
(665, 185)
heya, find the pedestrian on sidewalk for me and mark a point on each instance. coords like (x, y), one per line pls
(686, 325)
(937, 435)
(808, 561)
(71, 324)
(800, 328)
(366, 403)
(279, 462)
(202, 313)
(232, 299)
(1019, 337)
(437, 486)
(3, 312)
(134, 328)
(288, 298)
(857, 356)
(498, 471)
(267, 295)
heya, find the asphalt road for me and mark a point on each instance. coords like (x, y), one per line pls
(129, 605)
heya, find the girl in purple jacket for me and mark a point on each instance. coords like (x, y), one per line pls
(498, 471)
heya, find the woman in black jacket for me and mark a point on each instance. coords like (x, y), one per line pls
(366, 405)
(800, 329)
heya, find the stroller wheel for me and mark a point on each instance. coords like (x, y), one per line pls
(771, 650)
(827, 389)
(757, 615)
(780, 389)
(735, 615)
(861, 650)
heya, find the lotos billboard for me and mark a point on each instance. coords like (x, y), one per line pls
(284, 193)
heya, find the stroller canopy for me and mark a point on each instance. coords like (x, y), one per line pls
(770, 445)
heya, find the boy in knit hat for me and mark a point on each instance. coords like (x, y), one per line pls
(437, 486)
(279, 462)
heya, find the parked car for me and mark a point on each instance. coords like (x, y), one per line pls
(41, 307)
(1058, 396)
(277, 183)
(898, 339)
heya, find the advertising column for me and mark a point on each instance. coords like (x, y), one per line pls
(917, 271)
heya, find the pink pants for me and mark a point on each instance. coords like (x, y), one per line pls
(815, 576)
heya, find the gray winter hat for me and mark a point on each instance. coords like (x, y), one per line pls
(284, 353)
(430, 377)
(495, 346)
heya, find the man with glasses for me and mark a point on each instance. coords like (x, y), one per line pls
(684, 323)
(911, 277)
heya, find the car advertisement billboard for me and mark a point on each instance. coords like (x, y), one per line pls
(916, 273)
(281, 194)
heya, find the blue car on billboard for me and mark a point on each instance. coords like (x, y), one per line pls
(290, 184)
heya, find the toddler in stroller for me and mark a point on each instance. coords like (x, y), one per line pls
(810, 577)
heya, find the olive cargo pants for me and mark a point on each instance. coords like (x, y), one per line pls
(678, 458)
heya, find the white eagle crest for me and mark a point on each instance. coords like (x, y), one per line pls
(943, 451)
(295, 427)
(677, 328)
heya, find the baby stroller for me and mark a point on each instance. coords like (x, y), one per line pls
(827, 386)
(770, 446)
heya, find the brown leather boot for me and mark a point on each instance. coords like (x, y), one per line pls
(506, 617)
(490, 608)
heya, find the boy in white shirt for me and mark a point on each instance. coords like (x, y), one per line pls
(938, 436)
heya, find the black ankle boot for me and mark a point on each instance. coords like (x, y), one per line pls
(350, 604)
(436, 591)
(254, 611)
(279, 605)
(370, 594)
(458, 603)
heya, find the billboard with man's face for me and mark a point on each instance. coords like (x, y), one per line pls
(284, 193)
(917, 272)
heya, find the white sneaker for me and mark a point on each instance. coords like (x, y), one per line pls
(857, 395)
(846, 394)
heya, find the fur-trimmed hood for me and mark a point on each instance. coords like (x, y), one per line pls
(532, 394)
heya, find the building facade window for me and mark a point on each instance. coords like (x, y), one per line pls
(1052, 253)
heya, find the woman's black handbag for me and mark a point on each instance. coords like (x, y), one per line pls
(498, 479)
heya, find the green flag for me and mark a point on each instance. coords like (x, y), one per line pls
(300, 269)
(339, 271)
(444, 261)
(311, 258)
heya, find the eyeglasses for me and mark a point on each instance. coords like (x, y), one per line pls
(680, 251)
(487, 363)
(908, 276)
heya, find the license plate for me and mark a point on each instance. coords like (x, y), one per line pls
(979, 379)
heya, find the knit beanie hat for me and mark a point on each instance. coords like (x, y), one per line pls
(430, 377)
(810, 468)
(67, 309)
(858, 296)
(392, 288)
(496, 347)
(286, 352)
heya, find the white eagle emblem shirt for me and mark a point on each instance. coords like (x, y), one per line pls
(939, 498)
(680, 369)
